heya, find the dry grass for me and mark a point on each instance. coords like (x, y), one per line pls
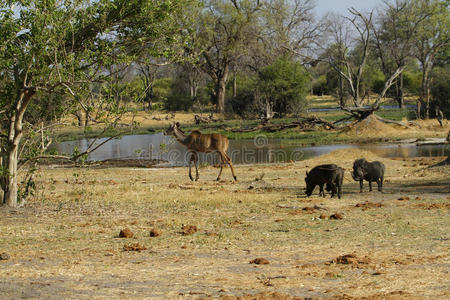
(64, 243)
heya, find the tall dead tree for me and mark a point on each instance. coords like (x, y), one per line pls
(352, 71)
(394, 36)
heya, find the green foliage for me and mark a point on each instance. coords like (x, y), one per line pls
(320, 86)
(179, 101)
(440, 90)
(177, 97)
(332, 81)
(162, 88)
(412, 81)
(285, 84)
(243, 103)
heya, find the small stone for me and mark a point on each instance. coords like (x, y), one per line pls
(4, 256)
(259, 261)
(336, 216)
(155, 232)
(189, 229)
(134, 247)
(126, 233)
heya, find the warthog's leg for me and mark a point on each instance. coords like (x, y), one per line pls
(333, 190)
(360, 186)
(339, 188)
(380, 184)
(370, 185)
(322, 192)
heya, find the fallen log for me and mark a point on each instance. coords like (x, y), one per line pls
(407, 124)
(200, 119)
(305, 123)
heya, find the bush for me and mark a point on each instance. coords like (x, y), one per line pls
(284, 84)
(178, 101)
(162, 88)
(243, 103)
(320, 86)
(412, 81)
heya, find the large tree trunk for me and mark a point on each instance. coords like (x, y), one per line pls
(220, 91)
(234, 84)
(342, 101)
(79, 115)
(11, 147)
(3, 182)
(399, 91)
(425, 95)
(426, 71)
(10, 195)
(88, 118)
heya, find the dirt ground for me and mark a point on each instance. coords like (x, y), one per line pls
(258, 238)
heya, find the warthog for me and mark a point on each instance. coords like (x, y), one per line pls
(370, 171)
(331, 175)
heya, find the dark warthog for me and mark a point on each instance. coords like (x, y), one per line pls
(331, 175)
(370, 171)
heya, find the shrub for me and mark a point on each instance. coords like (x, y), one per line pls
(284, 84)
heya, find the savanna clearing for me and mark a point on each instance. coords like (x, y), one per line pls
(65, 242)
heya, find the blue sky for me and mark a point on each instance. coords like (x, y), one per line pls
(341, 6)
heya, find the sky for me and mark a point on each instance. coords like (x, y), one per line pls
(341, 6)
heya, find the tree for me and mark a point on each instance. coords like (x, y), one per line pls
(393, 39)
(226, 30)
(432, 36)
(440, 89)
(289, 27)
(282, 87)
(47, 47)
(338, 52)
(351, 63)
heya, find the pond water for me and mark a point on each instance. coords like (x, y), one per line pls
(258, 150)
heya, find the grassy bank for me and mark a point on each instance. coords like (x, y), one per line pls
(154, 122)
(316, 136)
(66, 239)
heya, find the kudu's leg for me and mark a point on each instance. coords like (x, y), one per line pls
(222, 159)
(228, 160)
(196, 165)
(192, 158)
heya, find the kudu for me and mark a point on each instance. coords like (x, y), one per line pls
(199, 142)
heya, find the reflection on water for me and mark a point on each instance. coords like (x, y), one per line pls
(158, 146)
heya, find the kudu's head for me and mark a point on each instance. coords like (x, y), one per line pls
(171, 130)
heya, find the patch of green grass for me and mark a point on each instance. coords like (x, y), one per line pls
(394, 114)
